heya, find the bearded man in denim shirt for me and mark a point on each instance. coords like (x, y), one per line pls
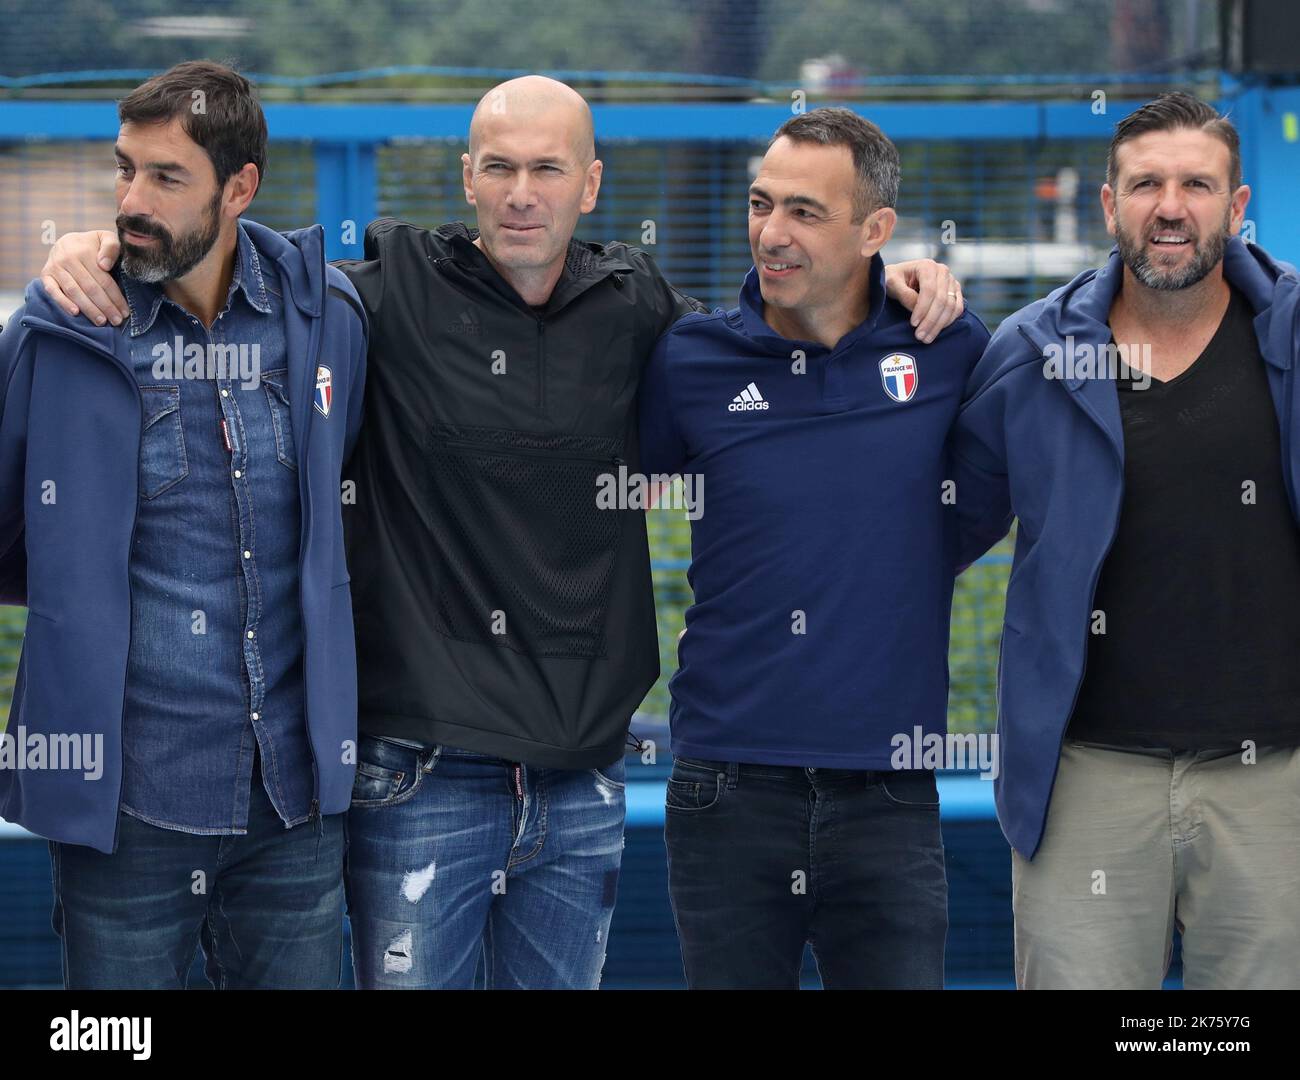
(223, 687)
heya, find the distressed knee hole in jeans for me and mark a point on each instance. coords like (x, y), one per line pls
(397, 957)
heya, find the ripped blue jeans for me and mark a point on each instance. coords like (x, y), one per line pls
(467, 870)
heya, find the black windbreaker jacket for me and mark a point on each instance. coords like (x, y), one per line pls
(497, 608)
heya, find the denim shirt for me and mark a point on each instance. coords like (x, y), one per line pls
(215, 665)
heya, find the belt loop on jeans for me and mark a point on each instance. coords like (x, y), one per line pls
(733, 774)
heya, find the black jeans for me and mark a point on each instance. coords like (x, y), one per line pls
(765, 858)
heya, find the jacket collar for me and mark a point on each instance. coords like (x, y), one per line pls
(585, 264)
(757, 330)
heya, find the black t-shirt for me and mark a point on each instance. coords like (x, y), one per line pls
(1201, 589)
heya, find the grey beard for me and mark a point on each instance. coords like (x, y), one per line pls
(150, 271)
(1208, 256)
(170, 259)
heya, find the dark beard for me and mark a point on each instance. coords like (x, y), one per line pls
(171, 257)
(1207, 256)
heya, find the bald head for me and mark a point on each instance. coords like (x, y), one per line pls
(530, 174)
(534, 102)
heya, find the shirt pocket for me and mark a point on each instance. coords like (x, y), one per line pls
(275, 384)
(163, 463)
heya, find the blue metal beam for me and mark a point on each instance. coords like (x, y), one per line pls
(745, 122)
(962, 797)
(347, 135)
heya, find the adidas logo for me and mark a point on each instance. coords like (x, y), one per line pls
(749, 398)
(468, 324)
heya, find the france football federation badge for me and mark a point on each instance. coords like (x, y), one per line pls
(324, 390)
(898, 373)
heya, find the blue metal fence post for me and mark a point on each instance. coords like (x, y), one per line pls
(346, 194)
(1268, 119)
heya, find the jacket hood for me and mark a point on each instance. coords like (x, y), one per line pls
(748, 316)
(299, 255)
(1081, 308)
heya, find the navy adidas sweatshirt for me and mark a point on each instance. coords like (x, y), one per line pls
(828, 538)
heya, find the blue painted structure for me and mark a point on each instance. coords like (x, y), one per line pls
(345, 137)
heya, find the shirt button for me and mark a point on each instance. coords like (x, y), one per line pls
(225, 393)
(256, 716)
(250, 633)
(248, 554)
(238, 474)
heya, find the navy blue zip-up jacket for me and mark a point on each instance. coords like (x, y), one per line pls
(70, 414)
(824, 557)
(1056, 446)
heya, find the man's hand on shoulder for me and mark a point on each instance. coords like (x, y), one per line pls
(929, 291)
(76, 276)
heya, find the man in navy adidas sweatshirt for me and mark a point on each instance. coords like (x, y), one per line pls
(823, 565)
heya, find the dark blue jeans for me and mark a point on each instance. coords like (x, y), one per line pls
(763, 859)
(267, 906)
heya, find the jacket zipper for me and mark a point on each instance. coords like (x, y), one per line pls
(130, 619)
(1092, 586)
(530, 451)
(1288, 382)
(541, 365)
(313, 350)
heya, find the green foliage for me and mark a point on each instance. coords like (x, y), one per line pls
(767, 39)
(12, 623)
(942, 36)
